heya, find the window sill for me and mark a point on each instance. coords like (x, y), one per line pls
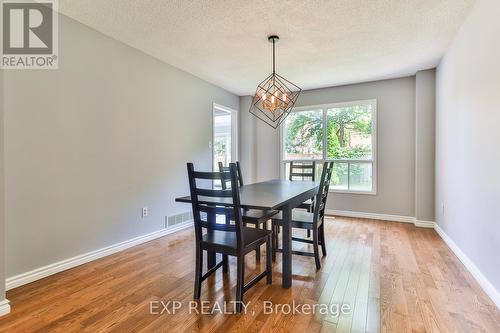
(352, 192)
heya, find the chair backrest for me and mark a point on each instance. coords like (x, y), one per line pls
(205, 211)
(223, 168)
(324, 186)
(306, 171)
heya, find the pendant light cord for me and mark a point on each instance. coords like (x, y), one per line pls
(274, 66)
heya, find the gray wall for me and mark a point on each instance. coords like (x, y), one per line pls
(88, 145)
(259, 145)
(467, 138)
(396, 144)
(2, 189)
(425, 115)
(247, 149)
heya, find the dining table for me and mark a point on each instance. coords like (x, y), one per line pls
(276, 194)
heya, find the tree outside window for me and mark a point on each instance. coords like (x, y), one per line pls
(346, 131)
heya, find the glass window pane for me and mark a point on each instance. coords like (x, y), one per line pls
(349, 132)
(360, 177)
(303, 135)
(222, 139)
(339, 177)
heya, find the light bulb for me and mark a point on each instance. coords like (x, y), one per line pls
(263, 97)
(284, 97)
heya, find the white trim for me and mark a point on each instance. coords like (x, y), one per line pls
(234, 131)
(386, 217)
(485, 284)
(4, 307)
(39, 273)
(424, 224)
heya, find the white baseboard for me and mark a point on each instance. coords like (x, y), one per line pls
(385, 217)
(39, 273)
(4, 307)
(374, 216)
(485, 284)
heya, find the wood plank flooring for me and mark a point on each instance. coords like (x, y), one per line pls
(394, 278)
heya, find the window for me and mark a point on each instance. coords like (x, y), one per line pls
(343, 133)
(224, 136)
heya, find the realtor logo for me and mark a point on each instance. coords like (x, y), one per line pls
(29, 34)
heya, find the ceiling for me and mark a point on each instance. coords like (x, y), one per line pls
(322, 42)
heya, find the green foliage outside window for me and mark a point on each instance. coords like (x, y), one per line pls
(344, 124)
(304, 133)
(348, 131)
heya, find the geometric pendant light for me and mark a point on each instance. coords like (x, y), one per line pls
(275, 96)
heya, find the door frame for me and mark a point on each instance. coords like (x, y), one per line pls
(234, 131)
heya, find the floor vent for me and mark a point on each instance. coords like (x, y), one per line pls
(177, 219)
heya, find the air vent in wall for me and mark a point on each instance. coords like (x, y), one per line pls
(177, 219)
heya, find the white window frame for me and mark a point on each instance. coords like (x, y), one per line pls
(324, 108)
(234, 131)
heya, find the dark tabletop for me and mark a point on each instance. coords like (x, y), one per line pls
(270, 194)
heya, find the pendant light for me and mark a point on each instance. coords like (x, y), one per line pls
(275, 96)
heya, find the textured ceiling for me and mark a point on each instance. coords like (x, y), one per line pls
(322, 43)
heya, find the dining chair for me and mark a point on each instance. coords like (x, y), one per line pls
(304, 171)
(256, 217)
(309, 221)
(227, 239)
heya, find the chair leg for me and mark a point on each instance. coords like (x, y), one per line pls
(316, 248)
(225, 263)
(257, 251)
(240, 282)
(274, 239)
(198, 273)
(269, 267)
(309, 231)
(322, 239)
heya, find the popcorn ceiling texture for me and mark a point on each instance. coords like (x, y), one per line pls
(323, 43)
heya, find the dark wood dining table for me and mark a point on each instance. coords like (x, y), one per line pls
(274, 194)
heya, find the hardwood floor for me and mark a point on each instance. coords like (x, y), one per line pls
(393, 276)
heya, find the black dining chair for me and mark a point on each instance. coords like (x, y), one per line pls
(256, 217)
(309, 221)
(228, 239)
(304, 171)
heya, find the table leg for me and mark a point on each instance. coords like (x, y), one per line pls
(287, 247)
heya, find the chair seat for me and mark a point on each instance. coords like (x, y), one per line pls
(300, 219)
(256, 216)
(252, 238)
